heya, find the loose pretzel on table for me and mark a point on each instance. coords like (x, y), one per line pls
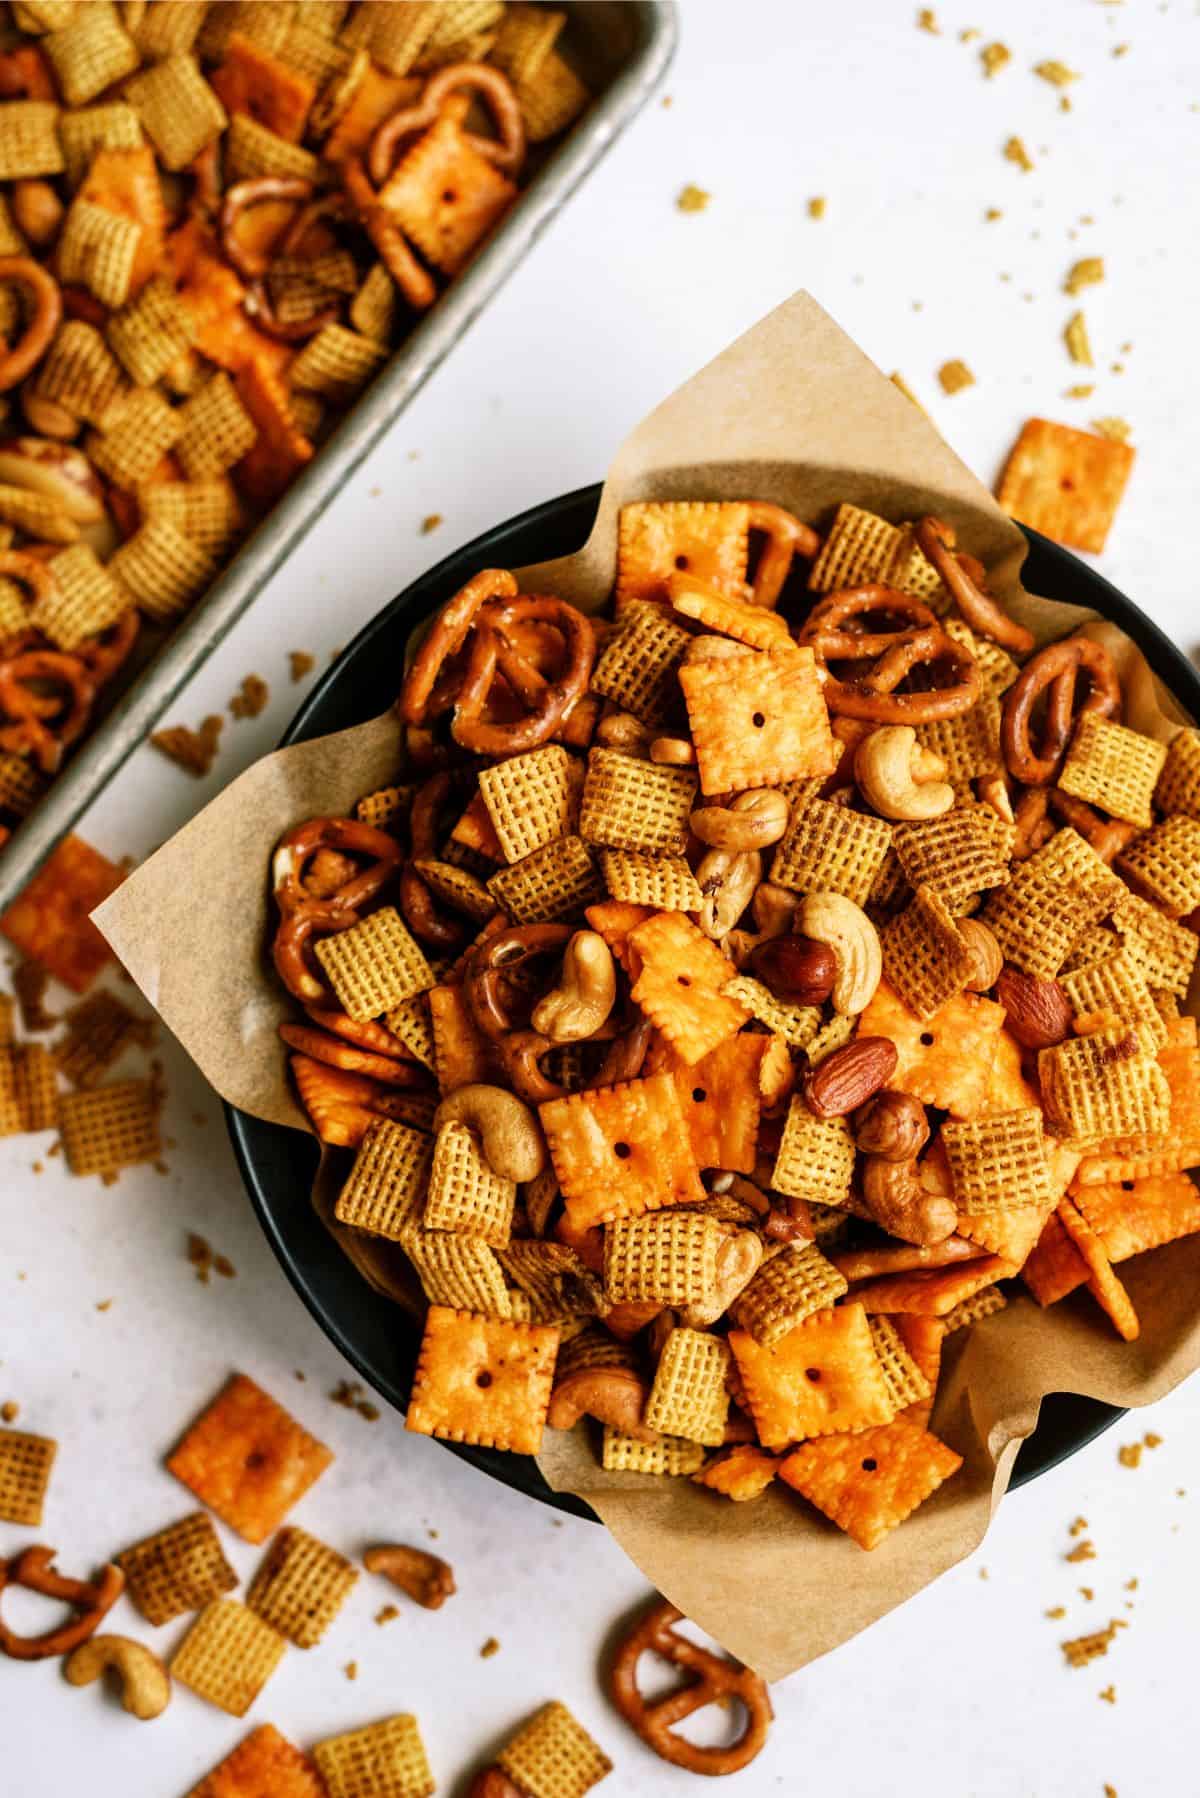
(713, 1679)
(963, 577)
(506, 152)
(23, 356)
(1055, 671)
(91, 1600)
(836, 632)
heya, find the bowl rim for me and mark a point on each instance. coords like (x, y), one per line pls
(1067, 1422)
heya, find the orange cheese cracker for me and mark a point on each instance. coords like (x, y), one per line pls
(1065, 483)
(720, 1098)
(248, 1460)
(945, 1060)
(822, 1377)
(658, 539)
(483, 1380)
(872, 1480)
(1130, 1216)
(50, 921)
(922, 1338)
(932, 1292)
(679, 986)
(265, 1765)
(621, 1150)
(251, 81)
(1054, 1267)
(1103, 1284)
(615, 920)
(758, 719)
(740, 1473)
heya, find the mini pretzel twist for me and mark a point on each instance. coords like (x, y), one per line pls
(44, 723)
(506, 152)
(305, 917)
(240, 198)
(103, 655)
(958, 574)
(786, 538)
(90, 1599)
(907, 635)
(1107, 836)
(47, 310)
(410, 274)
(712, 1680)
(1054, 671)
(416, 899)
(487, 966)
(521, 1053)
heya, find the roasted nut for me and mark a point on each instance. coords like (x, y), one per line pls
(986, 958)
(37, 211)
(993, 791)
(738, 1260)
(1039, 1012)
(900, 778)
(899, 1204)
(47, 417)
(798, 970)
(621, 730)
(713, 649)
(850, 1076)
(614, 1395)
(428, 1580)
(728, 883)
(789, 1221)
(673, 752)
(579, 1005)
(511, 1139)
(754, 820)
(61, 473)
(774, 908)
(493, 1782)
(893, 1126)
(145, 1682)
(833, 919)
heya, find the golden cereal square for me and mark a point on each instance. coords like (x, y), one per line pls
(446, 196)
(136, 435)
(464, 1193)
(680, 986)
(483, 1380)
(228, 1656)
(553, 883)
(1116, 985)
(99, 1029)
(176, 1570)
(631, 804)
(96, 250)
(1178, 787)
(969, 1311)
(337, 362)
(374, 965)
(792, 1285)
(968, 744)
(384, 1760)
(28, 1090)
(1113, 767)
(84, 601)
(551, 100)
(552, 1277)
(29, 144)
(662, 882)
(619, 1151)
(109, 127)
(20, 784)
(1165, 865)
(758, 719)
(300, 1586)
(997, 669)
(460, 1272)
(90, 54)
(150, 333)
(822, 1377)
(870, 1481)
(906, 1382)
(386, 1187)
(657, 539)
(860, 548)
(26, 1462)
(553, 1756)
(1047, 905)
(218, 431)
(815, 1158)
(828, 848)
(110, 1127)
(638, 668)
(1107, 1084)
(248, 1460)
(668, 1258)
(667, 1457)
(1163, 950)
(265, 1765)
(689, 1396)
(1065, 483)
(178, 110)
(530, 800)
(925, 957)
(526, 37)
(998, 1162)
(796, 1024)
(965, 852)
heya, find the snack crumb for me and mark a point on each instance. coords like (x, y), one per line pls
(351, 1396)
(954, 375)
(1117, 430)
(194, 751)
(1152, 1439)
(1110, 1791)
(816, 207)
(993, 213)
(1075, 335)
(104, 1304)
(994, 57)
(1082, 1649)
(1057, 1611)
(1109, 1694)
(1130, 1454)
(10, 1410)
(299, 1375)
(351, 1669)
(199, 1253)
(1087, 272)
(1056, 73)
(1082, 390)
(388, 1613)
(1131, 1585)
(927, 21)
(30, 981)
(251, 697)
(430, 522)
(983, 1573)
(692, 198)
(1087, 1592)
(490, 1647)
(300, 663)
(1083, 1551)
(968, 34)
(1015, 151)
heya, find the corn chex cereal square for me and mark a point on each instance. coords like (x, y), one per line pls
(1130, 1216)
(178, 1569)
(667, 1456)
(110, 1127)
(1165, 865)
(374, 965)
(1178, 787)
(178, 110)
(1113, 767)
(460, 1272)
(621, 1150)
(815, 1158)
(657, 539)
(969, 744)
(530, 800)
(28, 1090)
(997, 669)
(151, 332)
(796, 1024)
(740, 1473)
(638, 668)
(29, 143)
(758, 719)
(483, 1380)
(1065, 483)
(89, 54)
(680, 985)
(1108, 1084)
(97, 250)
(1116, 985)
(20, 784)
(552, 1277)
(84, 600)
(388, 1182)
(248, 1460)
(1049, 902)
(265, 1765)
(553, 883)
(300, 1586)
(861, 547)
(553, 1756)
(721, 1099)
(552, 99)
(925, 957)
(662, 882)
(822, 1377)
(1163, 950)
(754, 625)
(689, 1396)
(26, 1462)
(998, 1162)
(870, 1481)
(964, 852)
(907, 1383)
(828, 848)
(631, 804)
(136, 434)
(384, 1760)
(789, 1287)
(668, 1258)
(228, 1656)
(464, 1193)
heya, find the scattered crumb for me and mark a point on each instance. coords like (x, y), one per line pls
(387, 1614)
(251, 697)
(1119, 430)
(992, 214)
(1087, 1592)
(816, 207)
(224, 1266)
(490, 1647)
(10, 1410)
(1110, 1791)
(1131, 1585)
(1056, 73)
(1079, 1527)
(1181, 1491)
(1064, 104)
(1082, 1649)
(335, 652)
(1152, 1439)
(199, 1119)
(1120, 50)
(1130, 1454)
(1083, 1551)
(954, 376)
(1015, 151)
(351, 1669)
(1109, 1694)
(30, 981)
(692, 198)
(1057, 1611)
(927, 21)
(993, 57)
(194, 751)
(1082, 390)
(430, 523)
(668, 100)
(968, 34)
(433, 1534)
(299, 1375)
(199, 1253)
(300, 663)
(1085, 273)
(983, 1573)
(351, 1396)
(37, 1167)
(104, 1304)
(1075, 336)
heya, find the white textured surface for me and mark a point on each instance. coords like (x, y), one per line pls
(964, 1690)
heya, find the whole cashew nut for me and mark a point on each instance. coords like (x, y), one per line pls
(738, 1260)
(585, 995)
(621, 730)
(753, 820)
(900, 1205)
(833, 919)
(673, 752)
(900, 778)
(145, 1682)
(774, 908)
(728, 882)
(513, 1145)
(613, 1395)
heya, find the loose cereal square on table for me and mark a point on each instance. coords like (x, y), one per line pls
(553, 1756)
(26, 1462)
(228, 1656)
(383, 1760)
(300, 1586)
(178, 1569)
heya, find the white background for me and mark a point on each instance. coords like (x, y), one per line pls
(964, 1691)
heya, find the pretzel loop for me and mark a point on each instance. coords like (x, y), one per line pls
(1054, 671)
(903, 635)
(43, 290)
(550, 700)
(297, 849)
(962, 577)
(785, 537)
(712, 1679)
(44, 724)
(240, 198)
(491, 961)
(506, 152)
(34, 1569)
(416, 900)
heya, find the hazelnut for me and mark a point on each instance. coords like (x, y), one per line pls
(892, 1125)
(798, 970)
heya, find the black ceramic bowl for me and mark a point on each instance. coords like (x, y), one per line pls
(372, 1332)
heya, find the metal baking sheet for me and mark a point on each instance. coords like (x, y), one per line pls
(623, 47)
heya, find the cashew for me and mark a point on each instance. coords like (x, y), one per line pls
(47, 417)
(832, 918)
(673, 752)
(145, 1682)
(728, 882)
(37, 211)
(428, 1580)
(775, 908)
(513, 1145)
(738, 1260)
(898, 777)
(986, 958)
(615, 1395)
(621, 730)
(753, 820)
(586, 992)
(900, 1204)
(57, 471)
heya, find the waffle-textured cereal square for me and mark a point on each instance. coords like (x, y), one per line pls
(110, 1127)
(870, 1481)
(178, 110)
(754, 625)
(483, 1380)
(228, 1656)
(925, 957)
(460, 1272)
(860, 547)
(218, 430)
(300, 1586)
(553, 883)
(1103, 1284)
(162, 569)
(1107, 1084)
(79, 371)
(20, 784)
(84, 601)
(972, 1310)
(721, 1099)
(553, 1756)
(29, 144)
(758, 719)
(177, 1569)
(631, 804)
(530, 800)
(997, 669)
(1065, 483)
(1051, 899)
(446, 196)
(740, 1473)
(666, 1258)
(796, 1024)
(679, 986)
(387, 1185)
(828, 848)
(554, 1279)
(792, 1285)
(1113, 767)
(374, 965)
(1178, 787)
(265, 1765)
(638, 668)
(1165, 865)
(1115, 986)
(384, 807)
(619, 1151)
(657, 539)
(50, 922)
(1130, 1216)
(28, 1090)
(373, 308)
(526, 37)
(26, 1462)
(90, 53)
(822, 1377)
(964, 852)
(659, 882)
(464, 1193)
(383, 1760)
(337, 362)
(932, 1292)
(907, 1382)
(96, 250)
(998, 1162)
(248, 1459)
(815, 1159)
(1163, 950)
(151, 332)
(552, 99)
(137, 433)
(689, 1396)
(968, 744)
(666, 1456)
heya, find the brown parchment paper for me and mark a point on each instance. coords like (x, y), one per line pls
(792, 412)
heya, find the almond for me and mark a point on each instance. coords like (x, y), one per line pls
(850, 1076)
(1039, 1012)
(798, 970)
